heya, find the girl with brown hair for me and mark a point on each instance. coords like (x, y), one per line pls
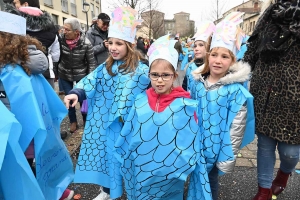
(109, 90)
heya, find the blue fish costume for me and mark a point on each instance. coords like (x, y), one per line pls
(226, 116)
(158, 150)
(39, 111)
(110, 99)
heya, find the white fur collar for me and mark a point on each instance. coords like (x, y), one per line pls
(239, 72)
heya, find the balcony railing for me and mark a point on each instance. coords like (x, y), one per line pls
(73, 9)
(64, 6)
(48, 2)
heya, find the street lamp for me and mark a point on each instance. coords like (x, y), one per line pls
(86, 8)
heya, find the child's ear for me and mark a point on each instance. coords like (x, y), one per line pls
(175, 75)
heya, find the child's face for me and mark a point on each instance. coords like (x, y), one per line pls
(162, 77)
(199, 49)
(117, 48)
(219, 62)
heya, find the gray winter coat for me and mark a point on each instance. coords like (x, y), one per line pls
(96, 38)
(78, 62)
(37, 63)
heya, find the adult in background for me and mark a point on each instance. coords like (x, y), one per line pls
(141, 46)
(97, 35)
(178, 46)
(77, 61)
(273, 53)
(39, 25)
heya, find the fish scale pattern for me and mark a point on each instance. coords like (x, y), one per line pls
(217, 108)
(110, 99)
(159, 150)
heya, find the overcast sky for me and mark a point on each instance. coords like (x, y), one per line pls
(199, 9)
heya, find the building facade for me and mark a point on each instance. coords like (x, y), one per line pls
(181, 24)
(252, 9)
(152, 25)
(63, 9)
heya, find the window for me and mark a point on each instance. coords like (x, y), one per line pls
(250, 27)
(48, 2)
(97, 11)
(55, 18)
(82, 1)
(253, 25)
(187, 18)
(64, 6)
(92, 10)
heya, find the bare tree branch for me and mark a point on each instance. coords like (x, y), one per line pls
(218, 7)
(153, 19)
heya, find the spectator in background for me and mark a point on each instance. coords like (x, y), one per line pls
(141, 46)
(39, 25)
(178, 46)
(77, 61)
(97, 35)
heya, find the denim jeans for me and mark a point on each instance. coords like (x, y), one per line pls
(213, 177)
(67, 87)
(288, 155)
(60, 88)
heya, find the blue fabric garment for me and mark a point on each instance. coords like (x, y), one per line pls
(157, 151)
(191, 67)
(241, 52)
(16, 178)
(110, 99)
(185, 60)
(181, 56)
(40, 111)
(217, 109)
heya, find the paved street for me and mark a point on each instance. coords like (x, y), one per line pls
(240, 185)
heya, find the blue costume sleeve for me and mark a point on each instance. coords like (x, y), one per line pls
(79, 92)
(110, 99)
(40, 111)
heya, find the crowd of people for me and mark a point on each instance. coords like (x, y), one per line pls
(141, 133)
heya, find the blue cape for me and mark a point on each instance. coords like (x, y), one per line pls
(217, 109)
(110, 99)
(158, 151)
(40, 111)
(16, 178)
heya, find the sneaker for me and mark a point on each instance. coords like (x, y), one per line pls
(102, 196)
(67, 195)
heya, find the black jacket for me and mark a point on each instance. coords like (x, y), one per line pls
(40, 27)
(141, 47)
(78, 62)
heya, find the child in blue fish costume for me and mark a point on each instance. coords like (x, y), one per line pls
(31, 110)
(225, 111)
(159, 144)
(204, 32)
(110, 91)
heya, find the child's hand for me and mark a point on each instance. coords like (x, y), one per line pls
(71, 97)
